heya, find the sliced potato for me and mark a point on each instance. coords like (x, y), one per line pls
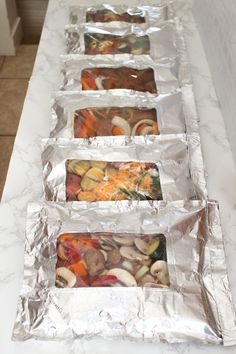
(96, 174)
(86, 196)
(78, 167)
(88, 184)
(110, 172)
(99, 164)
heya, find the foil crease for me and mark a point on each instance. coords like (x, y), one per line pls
(162, 40)
(175, 111)
(165, 72)
(152, 12)
(177, 156)
(197, 307)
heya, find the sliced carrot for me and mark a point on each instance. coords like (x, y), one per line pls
(117, 131)
(66, 237)
(155, 129)
(88, 82)
(78, 269)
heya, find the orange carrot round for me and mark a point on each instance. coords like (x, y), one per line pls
(117, 131)
(78, 269)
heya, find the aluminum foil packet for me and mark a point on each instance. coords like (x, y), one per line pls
(109, 72)
(90, 114)
(148, 14)
(157, 42)
(144, 271)
(166, 167)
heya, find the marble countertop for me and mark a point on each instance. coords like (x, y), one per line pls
(24, 184)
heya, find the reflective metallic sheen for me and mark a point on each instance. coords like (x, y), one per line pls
(178, 158)
(197, 307)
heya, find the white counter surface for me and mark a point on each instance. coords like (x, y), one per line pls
(24, 184)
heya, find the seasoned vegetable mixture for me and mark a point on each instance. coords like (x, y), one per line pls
(110, 44)
(109, 16)
(112, 121)
(105, 259)
(116, 78)
(103, 181)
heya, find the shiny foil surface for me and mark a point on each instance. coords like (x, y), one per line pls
(148, 14)
(177, 157)
(131, 72)
(196, 307)
(157, 42)
(175, 112)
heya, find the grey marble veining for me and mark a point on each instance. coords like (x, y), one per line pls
(24, 184)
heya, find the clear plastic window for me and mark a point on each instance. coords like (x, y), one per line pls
(106, 259)
(118, 78)
(109, 44)
(104, 181)
(113, 121)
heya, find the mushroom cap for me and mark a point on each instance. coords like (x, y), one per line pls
(123, 276)
(132, 254)
(67, 275)
(141, 245)
(160, 271)
(158, 266)
(124, 240)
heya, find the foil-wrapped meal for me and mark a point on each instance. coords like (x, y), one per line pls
(157, 42)
(90, 114)
(143, 14)
(144, 271)
(109, 72)
(167, 167)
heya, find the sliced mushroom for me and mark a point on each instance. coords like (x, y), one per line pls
(122, 123)
(114, 257)
(107, 243)
(146, 121)
(94, 260)
(132, 254)
(160, 271)
(124, 240)
(128, 265)
(104, 254)
(65, 278)
(61, 252)
(123, 276)
(141, 245)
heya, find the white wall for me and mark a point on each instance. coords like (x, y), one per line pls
(10, 27)
(217, 25)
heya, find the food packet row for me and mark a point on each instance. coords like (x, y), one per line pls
(148, 14)
(165, 167)
(144, 271)
(111, 72)
(90, 114)
(157, 42)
